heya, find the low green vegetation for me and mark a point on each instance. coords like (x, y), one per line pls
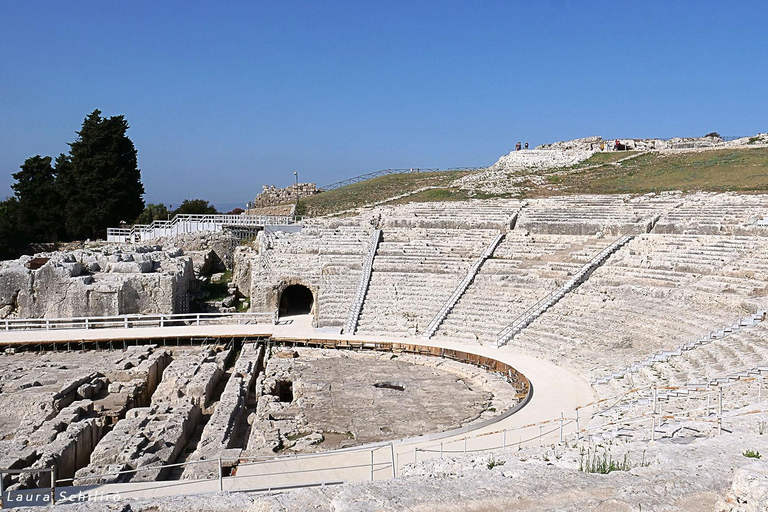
(606, 158)
(592, 462)
(492, 462)
(716, 171)
(217, 290)
(242, 306)
(752, 454)
(744, 170)
(377, 189)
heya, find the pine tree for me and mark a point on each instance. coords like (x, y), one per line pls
(100, 179)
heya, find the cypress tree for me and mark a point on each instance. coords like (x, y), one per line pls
(100, 179)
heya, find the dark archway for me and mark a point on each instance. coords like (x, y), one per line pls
(296, 300)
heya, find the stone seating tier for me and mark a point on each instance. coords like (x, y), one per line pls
(494, 214)
(687, 374)
(610, 324)
(403, 304)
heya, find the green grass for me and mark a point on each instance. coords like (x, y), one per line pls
(752, 454)
(492, 462)
(217, 290)
(716, 171)
(606, 158)
(744, 170)
(377, 189)
(604, 464)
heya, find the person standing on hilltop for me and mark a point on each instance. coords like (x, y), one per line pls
(517, 146)
(526, 144)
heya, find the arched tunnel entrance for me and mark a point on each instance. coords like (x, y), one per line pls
(296, 299)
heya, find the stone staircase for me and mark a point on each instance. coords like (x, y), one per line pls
(535, 311)
(665, 355)
(461, 288)
(365, 279)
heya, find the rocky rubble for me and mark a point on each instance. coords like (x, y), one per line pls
(693, 474)
(210, 251)
(56, 407)
(149, 437)
(511, 172)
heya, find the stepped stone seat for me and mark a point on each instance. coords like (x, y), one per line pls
(720, 214)
(619, 321)
(734, 357)
(475, 214)
(523, 269)
(414, 273)
(583, 215)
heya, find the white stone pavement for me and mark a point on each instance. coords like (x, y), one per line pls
(556, 391)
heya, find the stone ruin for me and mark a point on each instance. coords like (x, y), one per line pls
(695, 265)
(117, 416)
(57, 406)
(273, 196)
(108, 281)
(112, 279)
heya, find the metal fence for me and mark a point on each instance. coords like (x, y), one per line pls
(128, 321)
(381, 460)
(190, 223)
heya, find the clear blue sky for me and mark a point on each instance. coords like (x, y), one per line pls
(223, 97)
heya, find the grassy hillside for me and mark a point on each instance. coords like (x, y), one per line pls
(717, 171)
(722, 170)
(373, 190)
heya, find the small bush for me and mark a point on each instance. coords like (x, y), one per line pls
(752, 455)
(492, 462)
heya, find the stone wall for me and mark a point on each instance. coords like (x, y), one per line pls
(327, 260)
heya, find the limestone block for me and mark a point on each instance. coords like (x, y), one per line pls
(130, 267)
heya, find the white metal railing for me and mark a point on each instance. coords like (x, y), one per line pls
(461, 288)
(571, 427)
(362, 287)
(533, 312)
(191, 223)
(128, 321)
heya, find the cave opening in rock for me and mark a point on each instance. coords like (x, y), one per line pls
(284, 390)
(296, 300)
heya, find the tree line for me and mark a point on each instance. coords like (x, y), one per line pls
(78, 195)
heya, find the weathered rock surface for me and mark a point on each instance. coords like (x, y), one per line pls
(108, 281)
(321, 400)
(226, 421)
(149, 437)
